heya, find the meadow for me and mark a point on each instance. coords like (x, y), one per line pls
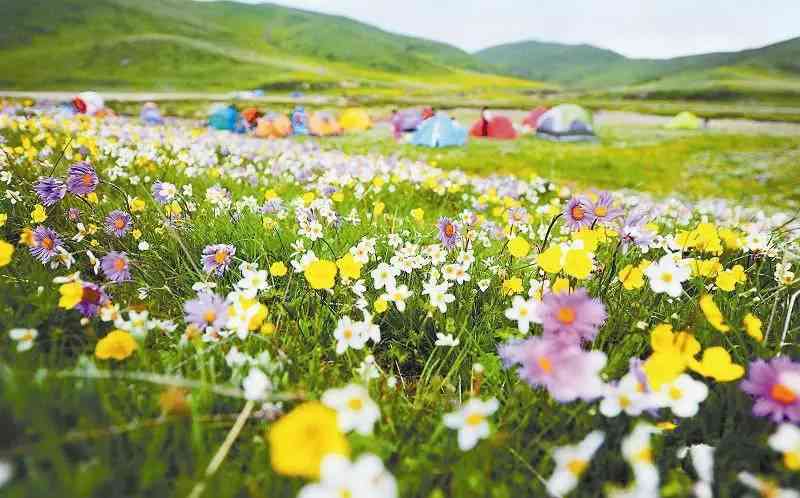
(188, 312)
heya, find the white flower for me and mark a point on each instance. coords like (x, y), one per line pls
(571, 462)
(703, 462)
(398, 296)
(683, 395)
(484, 284)
(524, 312)
(638, 452)
(364, 478)
(438, 294)
(384, 276)
(144, 245)
(446, 340)
(235, 358)
(368, 369)
(6, 472)
(354, 408)
(766, 488)
(471, 421)
(629, 396)
(666, 275)
(786, 440)
(256, 385)
(138, 323)
(24, 337)
(253, 281)
(349, 334)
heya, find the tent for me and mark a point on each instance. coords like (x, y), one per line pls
(567, 123)
(498, 127)
(323, 124)
(89, 103)
(532, 119)
(299, 121)
(355, 120)
(273, 126)
(150, 114)
(406, 120)
(251, 115)
(224, 118)
(684, 121)
(440, 131)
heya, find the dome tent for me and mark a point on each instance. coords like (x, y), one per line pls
(440, 131)
(323, 124)
(224, 118)
(684, 121)
(355, 120)
(90, 103)
(273, 126)
(567, 123)
(497, 127)
(407, 120)
(299, 121)
(150, 114)
(532, 119)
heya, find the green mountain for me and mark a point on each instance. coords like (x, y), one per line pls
(190, 45)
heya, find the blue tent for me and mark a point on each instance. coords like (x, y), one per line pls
(151, 115)
(299, 121)
(440, 131)
(224, 119)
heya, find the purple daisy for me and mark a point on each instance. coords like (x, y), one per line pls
(74, 214)
(116, 267)
(118, 223)
(635, 232)
(603, 208)
(82, 179)
(775, 385)
(448, 232)
(207, 310)
(50, 190)
(46, 243)
(93, 298)
(563, 368)
(578, 214)
(164, 192)
(572, 316)
(216, 258)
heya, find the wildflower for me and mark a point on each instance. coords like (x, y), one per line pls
(92, 298)
(217, 257)
(50, 190)
(245, 314)
(571, 463)
(728, 279)
(786, 440)
(138, 323)
(631, 277)
(117, 345)
(563, 368)
(666, 275)
(6, 252)
(81, 179)
(38, 215)
(321, 274)
(629, 395)
(716, 363)
(523, 312)
(418, 214)
(207, 310)
(439, 297)
(277, 269)
(638, 452)
(256, 385)
(578, 214)
(549, 260)
(354, 408)
(348, 267)
(6, 469)
(115, 267)
(45, 244)
(713, 314)
(448, 232)
(703, 463)
(24, 338)
(398, 296)
(574, 316)
(519, 247)
(364, 478)
(512, 286)
(603, 209)
(446, 340)
(384, 276)
(672, 354)
(137, 205)
(683, 395)
(164, 192)
(349, 334)
(301, 439)
(578, 263)
(118, 223)
(765, 488)
(752, 325)
(775, 385)
(471, 421)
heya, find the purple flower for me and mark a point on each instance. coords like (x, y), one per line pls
(603, 208)
(207, 310)
(82, 179)
(118, 223)
(776, 389)
(448, 232)
(572, 316)
(116, 267)
(164, 192)
(634, 231)
(517, 216)
(563, 368)
(216, 258)
(50, 190)
(93, 298)
(74, 214)
(46, 244)
(578, 214)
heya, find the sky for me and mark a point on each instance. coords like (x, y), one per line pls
(636, 28)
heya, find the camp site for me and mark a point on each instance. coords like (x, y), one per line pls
(350, 249)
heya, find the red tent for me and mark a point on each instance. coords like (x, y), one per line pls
(532, 119)
(498, 127)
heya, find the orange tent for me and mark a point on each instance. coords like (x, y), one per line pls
(273, 126)
(251, 114)
(498, 127)
(323, 124)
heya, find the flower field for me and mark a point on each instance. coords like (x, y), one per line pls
(187, 312)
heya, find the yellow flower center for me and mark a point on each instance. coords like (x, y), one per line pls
(675, 393)
(792, 460)
(449, 230)
(209, 316)
(355, 404)
(577, 466)
(601, 210)
(119, 264)
(119, 223)
(545, 364)
(87, 179)
(48, 243)
(666, 277)
(220, 256)
(624, 402)
(782, 394)
(348, 333)
(645, 456)
(565, 315)
(474, 419)
(577, 212)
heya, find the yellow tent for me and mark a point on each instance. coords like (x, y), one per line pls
(273, 126)
(684, 121)
(355, 120)
(323, 124)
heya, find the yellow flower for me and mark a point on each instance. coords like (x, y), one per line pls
(672, 353)
(418, 214)
(512, 286)
(337, 197)
(705, 267)
(380, 305)
(560, 286)
(716, 363)
(303, 437)
(378, 181)
(92, 197)
(6, 251)
(550, 259)
(270, 194)
(26, 237)
(728, 279)
(136, 233)
(578, 264)
(713, 314)
(268, 328)
(730, 238)
(309, 197)
(631, 277)
(137, 205)
(591, 238)
(349, 267)
(173, 209)
(277, 269)
(38, 214)
(3, 219)
(752, 325)
(117, 345)
(321, 274)
(71, 295)
(519, 247)
(377, 210)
